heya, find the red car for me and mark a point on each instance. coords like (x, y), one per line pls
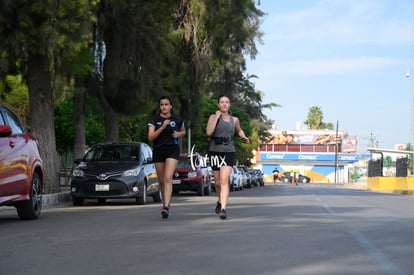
(192, 174)
(21, 168)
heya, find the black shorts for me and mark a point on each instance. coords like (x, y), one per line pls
(219, 159)
(160, 154)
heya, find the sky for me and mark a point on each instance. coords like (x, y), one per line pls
(351, 58)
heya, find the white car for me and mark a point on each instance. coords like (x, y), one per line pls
(238, 179)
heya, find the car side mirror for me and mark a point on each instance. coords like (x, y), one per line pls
(77, 161)
(5, 130)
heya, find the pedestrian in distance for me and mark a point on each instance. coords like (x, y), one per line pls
(164, 130)
(275, 175)
(222, 127)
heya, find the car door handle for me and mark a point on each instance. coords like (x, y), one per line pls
(11, 144)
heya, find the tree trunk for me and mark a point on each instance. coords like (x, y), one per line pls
(79, 146)
(110, 85)
(111, 122)
(42, 118)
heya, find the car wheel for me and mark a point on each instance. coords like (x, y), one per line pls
(141, 200)
(207, 190)
(77, 201)
(157, 197)
(200, 189)
(285, 180)
(30, 210)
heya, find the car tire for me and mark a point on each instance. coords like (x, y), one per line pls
(285, 180)
(157, 197)
(200, 189)
(77, 201)
(141, 200)
(30, 210)
(207, 190)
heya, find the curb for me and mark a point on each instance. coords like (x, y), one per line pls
(56, 199)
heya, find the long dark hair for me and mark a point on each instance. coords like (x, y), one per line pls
(167, 97)
(220, 96)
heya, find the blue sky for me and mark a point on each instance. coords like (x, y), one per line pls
(348, 57)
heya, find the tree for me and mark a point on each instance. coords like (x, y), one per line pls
(37, 36)
(131, 37)
(314, 119)
(234, 28)
(315, 116)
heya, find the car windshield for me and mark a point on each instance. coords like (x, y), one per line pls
(113, 153)
(184, 162)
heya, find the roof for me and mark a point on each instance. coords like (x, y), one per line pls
(381, 150)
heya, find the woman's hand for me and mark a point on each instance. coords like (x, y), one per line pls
(246, 140)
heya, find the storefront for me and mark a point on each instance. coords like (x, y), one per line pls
(320, 155)
(320, 167)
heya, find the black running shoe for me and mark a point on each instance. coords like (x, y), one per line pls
(165, 212)
(218, 207)
(223, 214)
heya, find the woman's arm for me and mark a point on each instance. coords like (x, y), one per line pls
(153, 134)
(212, 122)
(180, 133)
(239, 130)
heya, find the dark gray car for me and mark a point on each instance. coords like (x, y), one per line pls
(115, 170)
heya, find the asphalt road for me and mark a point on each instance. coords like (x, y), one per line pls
(284, 229)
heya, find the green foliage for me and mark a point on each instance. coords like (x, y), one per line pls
(151, 48)
(64, 124)
(328, 126)
(60, 30)
(135, 35)
(314, 119)
(134, 128)
(388, 161)
(13, 92)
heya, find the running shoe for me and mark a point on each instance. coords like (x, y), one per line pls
(223, 214)
(165, 212)
(218, 207)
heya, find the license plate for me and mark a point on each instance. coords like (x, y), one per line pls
(176, 181)
(102, 187)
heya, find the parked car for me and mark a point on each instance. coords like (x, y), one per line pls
(21, 167)
(192, 174)
(254, 180)
(115, 170)
(248, 179)
(297, 177)
(259, 176)
(238, 178)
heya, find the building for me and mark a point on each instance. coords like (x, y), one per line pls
(322, 155)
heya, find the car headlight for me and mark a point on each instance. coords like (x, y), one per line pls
(192, 174)
(131, 173)
(78, 172)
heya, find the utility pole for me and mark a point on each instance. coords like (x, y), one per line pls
(336, 151)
